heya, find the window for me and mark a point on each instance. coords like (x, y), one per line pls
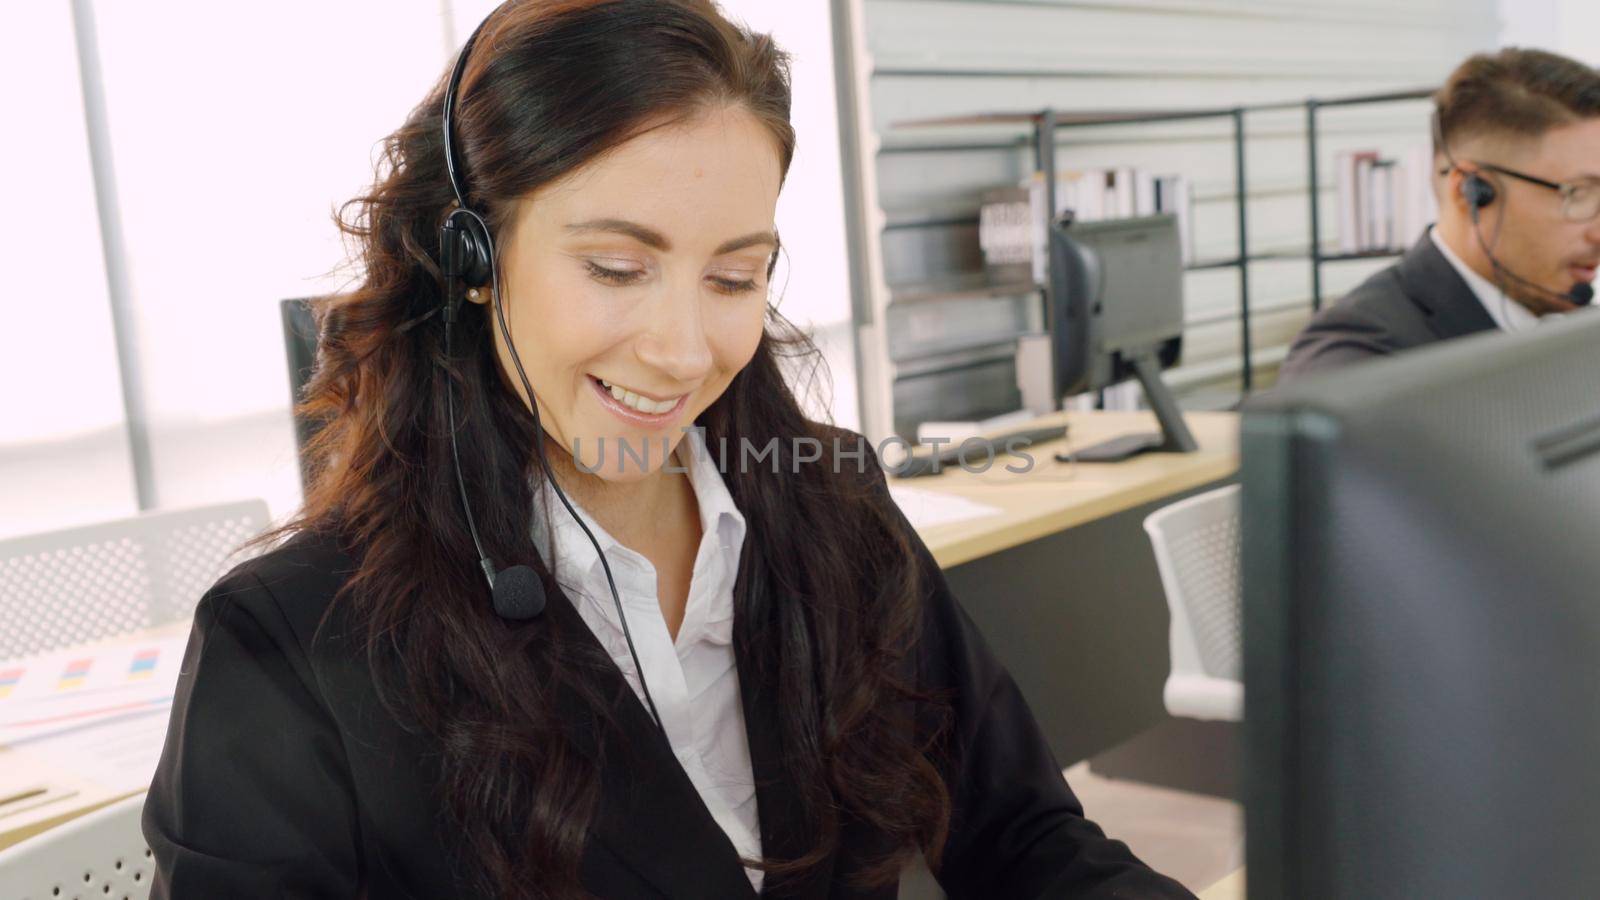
(167, 215)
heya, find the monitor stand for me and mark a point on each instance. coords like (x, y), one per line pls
(1174, 436)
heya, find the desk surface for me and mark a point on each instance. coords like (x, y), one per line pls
(1054, 496)
(1230, 888)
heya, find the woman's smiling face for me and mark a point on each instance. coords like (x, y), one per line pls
(635, 287)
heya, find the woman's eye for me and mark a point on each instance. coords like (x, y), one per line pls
(629, 276)
(728, 286)
(612, 276)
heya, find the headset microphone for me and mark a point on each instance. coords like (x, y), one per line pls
(466, 258)
(518, 593)
(1479, 192)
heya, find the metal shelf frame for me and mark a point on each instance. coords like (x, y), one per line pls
(1046, 122)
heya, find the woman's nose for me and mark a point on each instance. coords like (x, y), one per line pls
(675, 339)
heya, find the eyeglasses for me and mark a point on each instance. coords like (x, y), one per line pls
(1580, 200)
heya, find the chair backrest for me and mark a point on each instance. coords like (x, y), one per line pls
(98, 855)
(1196, 544)
(67, 587)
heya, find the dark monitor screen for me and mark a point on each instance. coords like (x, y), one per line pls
(1116, 290)
(1422, 623)
(300, 349)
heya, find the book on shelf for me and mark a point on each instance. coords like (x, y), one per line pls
(1384, 203)
(1173, 195)
(1418, 207)
(1144, 193)
(1012, 221)
(1005, 234)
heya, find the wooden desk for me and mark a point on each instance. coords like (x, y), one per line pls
(1230, 888)
(1063, 584)
(1054, 496)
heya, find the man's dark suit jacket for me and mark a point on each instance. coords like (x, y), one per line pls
(1417, 301)
(283, 776)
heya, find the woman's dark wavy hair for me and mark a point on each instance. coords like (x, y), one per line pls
(552, 85)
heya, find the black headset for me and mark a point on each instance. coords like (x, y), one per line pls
(1480, 192)
(466, 261)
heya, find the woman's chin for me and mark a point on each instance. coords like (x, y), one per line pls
(623, 457)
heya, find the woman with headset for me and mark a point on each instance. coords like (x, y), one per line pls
(580, 602)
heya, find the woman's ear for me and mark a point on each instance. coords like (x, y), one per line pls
(478, 295)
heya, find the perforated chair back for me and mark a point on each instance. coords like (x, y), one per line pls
(1197, 551)
(80, 584)
(93, 857)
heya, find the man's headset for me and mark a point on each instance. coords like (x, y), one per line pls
(466, 260)
(1480, 192)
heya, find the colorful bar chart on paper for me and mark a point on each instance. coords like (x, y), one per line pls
(55, 692)
(8, 680)
(74, 675)
(144, 664)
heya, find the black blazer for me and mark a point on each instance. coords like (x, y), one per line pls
(1417, 301)
(283, 776)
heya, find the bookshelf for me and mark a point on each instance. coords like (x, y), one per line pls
(1043, 126)
(1314, 107)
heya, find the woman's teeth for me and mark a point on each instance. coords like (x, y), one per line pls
(635, 402)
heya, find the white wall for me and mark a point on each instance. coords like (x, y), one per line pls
(1568, 27)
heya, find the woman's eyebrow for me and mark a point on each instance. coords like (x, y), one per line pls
(656, 240)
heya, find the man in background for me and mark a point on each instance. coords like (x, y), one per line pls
(1517, 174)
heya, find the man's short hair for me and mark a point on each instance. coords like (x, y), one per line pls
(1514, 93)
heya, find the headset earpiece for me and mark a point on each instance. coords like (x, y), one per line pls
(465, 251)
(1477, 191)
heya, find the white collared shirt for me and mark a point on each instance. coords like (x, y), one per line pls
(694, 682)
(1508, 314)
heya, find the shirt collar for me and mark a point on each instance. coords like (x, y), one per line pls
(1508, 314)
(719, 515)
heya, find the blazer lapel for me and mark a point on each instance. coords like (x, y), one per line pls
(649, 814)
(778, 802)
(1435, 286)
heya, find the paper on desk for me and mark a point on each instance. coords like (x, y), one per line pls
(58, 692)
(119, 755)
(56, 778)
(34, 789)
(926, 509)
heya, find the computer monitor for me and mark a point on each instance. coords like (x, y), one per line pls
(1116, 312)
(300, 349)
(1422, 624)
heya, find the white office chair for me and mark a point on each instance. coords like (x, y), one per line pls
(80, 584)
(1197, 551)
(98, 855)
